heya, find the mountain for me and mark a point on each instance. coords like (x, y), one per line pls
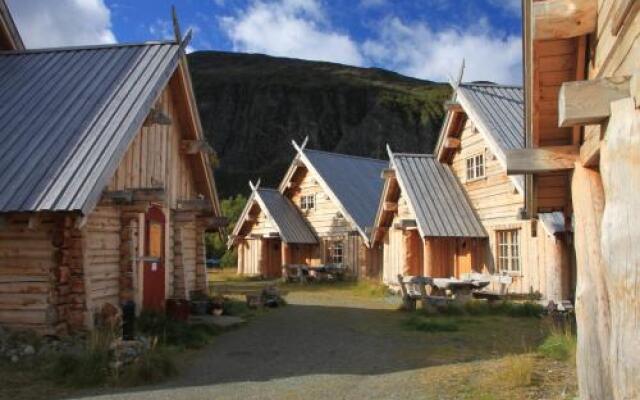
(253, 105)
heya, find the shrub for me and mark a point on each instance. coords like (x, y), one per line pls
(430, 325)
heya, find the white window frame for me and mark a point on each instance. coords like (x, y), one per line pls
(508, 251)
(308, 202)
(475, 167)
(336, 252)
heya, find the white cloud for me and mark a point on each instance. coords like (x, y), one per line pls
(162, 29)
(46, 23)
(417, 50)
(290, 28)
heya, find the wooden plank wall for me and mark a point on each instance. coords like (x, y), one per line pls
(27, 266)
(184, 277)
(102, 258)
(154, 160)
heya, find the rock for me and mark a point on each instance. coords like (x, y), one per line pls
(29, 350)
(15, 358)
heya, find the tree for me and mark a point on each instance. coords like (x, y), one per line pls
(216, 246)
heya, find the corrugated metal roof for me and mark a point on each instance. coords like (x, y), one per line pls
(291, 226)
(440, 205)
(68, 115)
(355, 181)
(501, 108)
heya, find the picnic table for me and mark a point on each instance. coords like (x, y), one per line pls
(303, 273)
(442, 290)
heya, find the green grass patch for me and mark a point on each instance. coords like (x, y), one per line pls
(559, 345)
(175, 333)
(154, 366)
(424, 324)
(484, 308)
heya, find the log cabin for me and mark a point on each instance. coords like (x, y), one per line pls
(483, 122)
(582, 85)
(106, 185)
(321, 213)
(425, 223)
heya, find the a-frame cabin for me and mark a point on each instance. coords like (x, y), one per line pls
(322, 213)
(106, 186)
(484, 122)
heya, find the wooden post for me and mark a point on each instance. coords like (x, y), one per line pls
(620, 236)
(554, 272)
(592, 301)
(240, 249)
(429, 267)
(264, 257)
(285, 249)
(410, 254)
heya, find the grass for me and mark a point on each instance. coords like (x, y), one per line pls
(560, 345)
(430, 325)
(360, 288)
(176, 333)
(484, 308)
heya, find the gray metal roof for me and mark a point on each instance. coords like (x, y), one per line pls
(291, 226)
(501, 109)
(68, 115)
(355, 181)
(437, 198)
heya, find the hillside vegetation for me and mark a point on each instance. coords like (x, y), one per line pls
(253, 105)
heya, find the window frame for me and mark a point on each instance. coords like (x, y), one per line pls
(308, 202)
(336, 251)
(508, 254)
(475, 167)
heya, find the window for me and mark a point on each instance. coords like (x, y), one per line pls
(508, 250)
(335, 252)
(475, 167)
(307, 202)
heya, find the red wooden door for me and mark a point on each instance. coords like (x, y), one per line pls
(153, 267)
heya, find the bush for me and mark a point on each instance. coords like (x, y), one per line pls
(430, 325)
(560, 345)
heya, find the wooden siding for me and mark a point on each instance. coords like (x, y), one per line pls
(102, 258)
(494, 197)
(27, 260)
(184, 259)
(154, 160)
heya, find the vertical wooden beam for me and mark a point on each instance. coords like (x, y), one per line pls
(429, 267)
(410, 255)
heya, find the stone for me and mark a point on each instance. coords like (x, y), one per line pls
(29, 350)
(15, 358)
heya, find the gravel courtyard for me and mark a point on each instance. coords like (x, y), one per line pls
(332, 345)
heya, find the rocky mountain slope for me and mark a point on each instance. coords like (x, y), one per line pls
(253, 105)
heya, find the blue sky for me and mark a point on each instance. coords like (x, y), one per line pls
(422, 38)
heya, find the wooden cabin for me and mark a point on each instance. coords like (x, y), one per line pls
(106, 186)
(320, 214)
(483, 122)
(582, 86)
(425, 223)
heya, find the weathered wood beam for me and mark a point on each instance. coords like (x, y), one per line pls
(405, 224)
(590, 148)
(541, 159)
(34, 222)
(194, 205)
(452, 143)
(589, 102)
(452, 106)
(195, 147)
(621, 9)
(390, 206)
(388, 173)
(563, 19)
(634, 88)
(133, 195)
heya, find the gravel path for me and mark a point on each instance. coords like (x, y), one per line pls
(317, 347)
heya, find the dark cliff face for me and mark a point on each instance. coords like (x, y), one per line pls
(252, 106)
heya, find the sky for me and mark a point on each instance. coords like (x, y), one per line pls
(425, 39)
